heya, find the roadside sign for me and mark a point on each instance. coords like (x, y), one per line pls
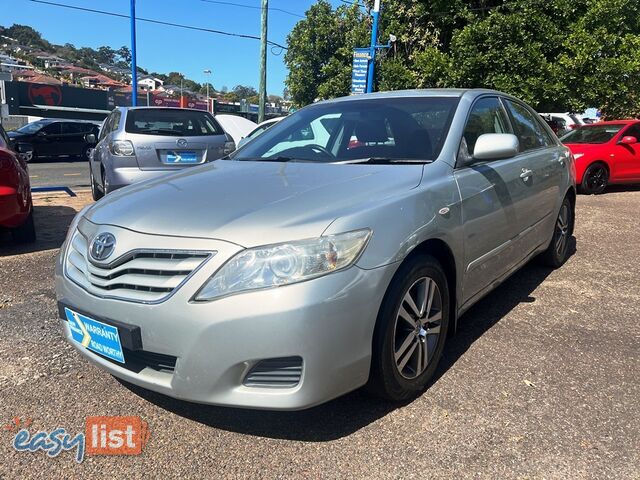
(359, 71)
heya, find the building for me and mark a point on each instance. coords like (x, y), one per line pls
(149, 82)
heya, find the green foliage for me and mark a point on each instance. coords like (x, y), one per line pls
(555, 54)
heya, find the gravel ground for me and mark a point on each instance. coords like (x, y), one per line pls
(541, 382)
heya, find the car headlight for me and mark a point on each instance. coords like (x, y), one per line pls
(285, 263)
(122, 148)
(576, 156)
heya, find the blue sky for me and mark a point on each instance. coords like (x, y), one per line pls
(164, 49)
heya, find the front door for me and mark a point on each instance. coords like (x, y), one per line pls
(47, 140)
(490, 193)
(626, 164)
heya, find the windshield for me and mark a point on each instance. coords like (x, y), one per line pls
(592, 134)
(171, 122)
(31, 128)
(381, 129)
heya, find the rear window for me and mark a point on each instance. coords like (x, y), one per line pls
(171, 122)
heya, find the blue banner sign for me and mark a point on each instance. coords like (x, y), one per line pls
(359, 71)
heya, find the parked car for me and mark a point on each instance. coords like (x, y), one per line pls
(261, 128)
(235, 125)
(566, 121)
(56, 138)
(16, 207)
(282, 280)
(558, 127)
(139, 143)
(606, 153)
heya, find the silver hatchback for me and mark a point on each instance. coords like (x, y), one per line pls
(337, 249)
(140, 143)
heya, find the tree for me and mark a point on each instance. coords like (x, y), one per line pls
(555, 54)
(26, 35)
(243, 91)
(105, 55)
(320, 50)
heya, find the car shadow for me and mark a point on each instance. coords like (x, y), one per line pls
(52, 222)
(621, 188)
(353, 411)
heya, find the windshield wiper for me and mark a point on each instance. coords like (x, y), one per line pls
(386, 160)
(265, 159)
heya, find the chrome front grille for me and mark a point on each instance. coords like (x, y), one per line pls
(140, 275)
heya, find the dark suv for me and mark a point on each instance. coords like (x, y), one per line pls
(56, 138)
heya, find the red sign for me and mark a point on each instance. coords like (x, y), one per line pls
(45, 94)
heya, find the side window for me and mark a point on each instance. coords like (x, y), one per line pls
(530, 133)
(52, 129)
(632, 131)
(105, 127)
(71, 128)
(487, 116)
(115, 121)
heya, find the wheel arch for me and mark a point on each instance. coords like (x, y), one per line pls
(442, 252)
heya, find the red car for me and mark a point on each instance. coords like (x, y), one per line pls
(16, 207)
(605, 153)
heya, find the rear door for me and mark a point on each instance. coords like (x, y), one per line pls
(626, 165)
(543, 168)
(72, 141)
(492, 193)
(47, 140)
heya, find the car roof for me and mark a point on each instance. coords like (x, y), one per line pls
(419, 93)
(613, 122)
(161, 108)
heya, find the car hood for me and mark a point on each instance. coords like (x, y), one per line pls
(252, 203)
(15, 134)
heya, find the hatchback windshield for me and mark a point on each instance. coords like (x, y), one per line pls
(592, 134)
(171, 122)
(31, 128)
(382, 130)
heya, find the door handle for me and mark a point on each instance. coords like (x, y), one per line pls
(526, 173)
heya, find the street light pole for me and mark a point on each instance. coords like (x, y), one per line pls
(208, 73)
(263, 62)
(375, 14)
(134, 66)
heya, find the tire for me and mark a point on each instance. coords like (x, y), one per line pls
(86, 153)
(96, 193)
(25, 233)
(557, 252)
(402, 332)
(595, 179)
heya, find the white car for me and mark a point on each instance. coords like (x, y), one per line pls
(567, 121)
(236, 126)
(261, 128)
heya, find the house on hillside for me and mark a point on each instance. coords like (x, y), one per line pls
(149, 82)
(100, 81)
(105, 67)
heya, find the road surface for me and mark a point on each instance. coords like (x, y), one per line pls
(69, 174)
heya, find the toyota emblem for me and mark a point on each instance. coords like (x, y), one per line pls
(181, 142)
(103, 246)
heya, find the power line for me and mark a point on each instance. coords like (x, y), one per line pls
(255, 7)
(158, 22)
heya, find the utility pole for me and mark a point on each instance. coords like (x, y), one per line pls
(375, 14)
(263, 61)
(207, 72)
(134, 65)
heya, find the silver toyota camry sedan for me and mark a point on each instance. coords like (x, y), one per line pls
(336, 250)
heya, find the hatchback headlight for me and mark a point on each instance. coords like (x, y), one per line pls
(285, 263)
(122, 148)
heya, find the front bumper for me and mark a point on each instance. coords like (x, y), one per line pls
(328, 322)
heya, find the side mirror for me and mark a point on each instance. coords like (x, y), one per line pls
(90, 138)
(41, 133)
(628, 140)
(495, 146)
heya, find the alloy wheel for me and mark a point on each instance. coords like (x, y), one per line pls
(597, 179)
(417, 327)
(562, 230)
